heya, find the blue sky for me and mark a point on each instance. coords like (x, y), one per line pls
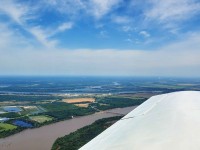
(100, 37)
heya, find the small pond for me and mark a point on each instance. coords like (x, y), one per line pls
(12, 109)
(22, 124)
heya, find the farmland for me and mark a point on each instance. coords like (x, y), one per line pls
(82, 105)
(79, 100)
(41, 118)
(6, 127)
(35, 114)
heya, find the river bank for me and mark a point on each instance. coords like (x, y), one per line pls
(43, 137)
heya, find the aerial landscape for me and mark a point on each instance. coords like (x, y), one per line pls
(32, 102)
(71, 70)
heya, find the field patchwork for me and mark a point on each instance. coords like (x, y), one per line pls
(79, 100)
(6, 127)
(32, 110)
(41, 118)
(82, 105)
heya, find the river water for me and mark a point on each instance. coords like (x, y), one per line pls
(43, 138)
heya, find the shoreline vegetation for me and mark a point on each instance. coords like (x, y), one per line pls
(80, 137)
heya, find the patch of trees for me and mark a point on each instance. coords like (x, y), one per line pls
(117, 102)
(10, 115)
(61, 110)
(77, 139)
(28, 97)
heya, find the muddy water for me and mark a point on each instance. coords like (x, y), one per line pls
(43, 138)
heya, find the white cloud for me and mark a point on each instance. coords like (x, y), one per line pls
(99, 8)
(132, 40)
(21, 13)
(95, 8)
(121, 19)
(172, 10)
(15, 11)
(71, 7)
(145, 34)
(127, 28)
(129, 40)
(12, 39)
(65, 26)
(42, 36)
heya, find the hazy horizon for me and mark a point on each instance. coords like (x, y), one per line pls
(96, 76)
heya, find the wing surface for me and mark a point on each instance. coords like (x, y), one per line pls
(164, 122)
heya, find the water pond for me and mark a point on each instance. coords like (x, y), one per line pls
(12, 109)
(22, 124)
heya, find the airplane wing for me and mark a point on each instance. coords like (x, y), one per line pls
(164, 122)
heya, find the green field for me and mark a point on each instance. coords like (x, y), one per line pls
(31, 110)
(6, 127)
(41, 118)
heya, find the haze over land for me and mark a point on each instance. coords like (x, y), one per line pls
(100, 37)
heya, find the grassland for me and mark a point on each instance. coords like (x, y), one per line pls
(79, 100)
(82, 105)
(41, 118)
(6, 127)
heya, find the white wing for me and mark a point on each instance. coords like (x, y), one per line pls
(164, 122)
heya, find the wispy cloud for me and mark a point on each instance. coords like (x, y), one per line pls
(127, 28)
(67, 7)
(145, 34)
(99, 8)
(15, 11)
(22, 13)
(95, 8)
(65, 26)
(121, 19)
(172, 10)
(12, 40)
(42, 36)
(157, 14)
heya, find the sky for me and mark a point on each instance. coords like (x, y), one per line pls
(100, 37)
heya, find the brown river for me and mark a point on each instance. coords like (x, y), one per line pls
(43, 138)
